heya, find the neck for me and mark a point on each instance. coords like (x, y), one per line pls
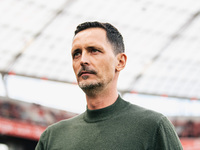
(102, 99)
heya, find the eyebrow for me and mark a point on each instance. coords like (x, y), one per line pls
(74, 51)
(89, 47)
(96, 47)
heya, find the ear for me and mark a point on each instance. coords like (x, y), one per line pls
(121, 62)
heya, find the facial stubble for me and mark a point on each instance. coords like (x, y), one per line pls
(91, 89)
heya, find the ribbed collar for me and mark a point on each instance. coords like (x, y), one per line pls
(105, 113)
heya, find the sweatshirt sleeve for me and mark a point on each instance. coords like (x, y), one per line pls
(41, 143)
(166, 137)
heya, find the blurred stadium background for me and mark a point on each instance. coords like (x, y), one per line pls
(37, 83)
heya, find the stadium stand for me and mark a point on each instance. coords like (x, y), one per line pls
(31, 113)
(22, 123)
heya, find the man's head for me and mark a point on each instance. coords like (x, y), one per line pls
(113, 35)
(97, 57)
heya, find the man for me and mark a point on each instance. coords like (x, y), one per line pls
(109, 123)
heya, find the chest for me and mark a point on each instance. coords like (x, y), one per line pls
(100, 136)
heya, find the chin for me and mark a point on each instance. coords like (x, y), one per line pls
(86, 82)
(89, 85)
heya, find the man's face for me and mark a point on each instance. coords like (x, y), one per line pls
(93, 59)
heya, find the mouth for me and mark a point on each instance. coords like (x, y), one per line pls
(86, 73)
(81, 73)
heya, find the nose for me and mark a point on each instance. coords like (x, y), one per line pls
(84, 58)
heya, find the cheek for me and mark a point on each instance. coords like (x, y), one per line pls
(75, 68)
(109, 68)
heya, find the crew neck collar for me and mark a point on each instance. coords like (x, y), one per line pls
(104, 113)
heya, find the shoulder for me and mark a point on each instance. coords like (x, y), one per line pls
(66, 122)
(57, 131)
(140, 114)
(143, 112)
(62, 125)
(155, 124)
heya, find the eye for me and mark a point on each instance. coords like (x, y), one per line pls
(76, 54)
(94, 50)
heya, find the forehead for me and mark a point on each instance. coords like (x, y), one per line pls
(91, 31)
(91, 35)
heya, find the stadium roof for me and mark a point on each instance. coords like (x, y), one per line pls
(162, 40)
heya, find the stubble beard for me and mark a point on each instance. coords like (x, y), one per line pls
(91, 89)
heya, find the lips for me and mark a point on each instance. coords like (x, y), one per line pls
(86, 72)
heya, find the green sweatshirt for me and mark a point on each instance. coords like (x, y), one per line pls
(121, 126)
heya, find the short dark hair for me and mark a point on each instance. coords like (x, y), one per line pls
(113, 35)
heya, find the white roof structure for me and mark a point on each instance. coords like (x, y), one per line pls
(162, 42)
